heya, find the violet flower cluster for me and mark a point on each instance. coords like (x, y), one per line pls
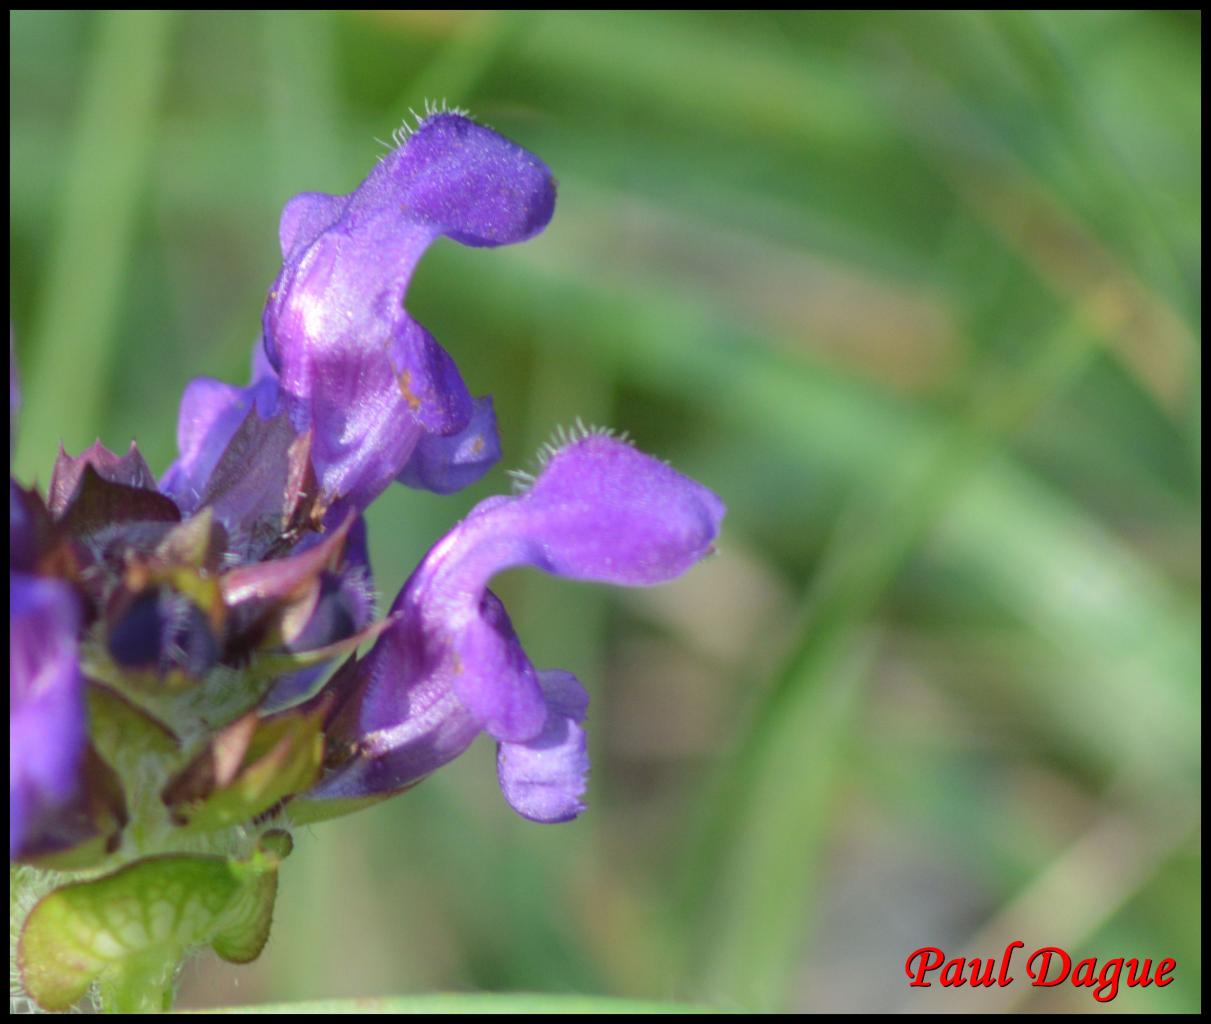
(196, 616)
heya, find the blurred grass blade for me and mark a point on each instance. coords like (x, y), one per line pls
(1133, 645)
(1017, 548)
(457, 1002)
(768, 835)
(1030, 38)
(300, 88)
(1047, 560)
(457, 68)
(756, 862)
(73, 341)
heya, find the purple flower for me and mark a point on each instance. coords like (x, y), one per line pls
(46, 721)
(374, 394)
(445, 464)
(211, 413)
(353, 366)
(451, 665)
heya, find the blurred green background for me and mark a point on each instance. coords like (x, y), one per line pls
(918, 295)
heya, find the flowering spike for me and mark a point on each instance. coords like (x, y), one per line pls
(169, 642)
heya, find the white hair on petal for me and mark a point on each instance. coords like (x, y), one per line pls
(561, 437)
(412, 121)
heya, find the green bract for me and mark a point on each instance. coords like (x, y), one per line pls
(128, 931)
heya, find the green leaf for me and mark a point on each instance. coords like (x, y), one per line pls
(123, 732)
(274, 664)
(128, 931)
(309, 812)
(247, 768)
